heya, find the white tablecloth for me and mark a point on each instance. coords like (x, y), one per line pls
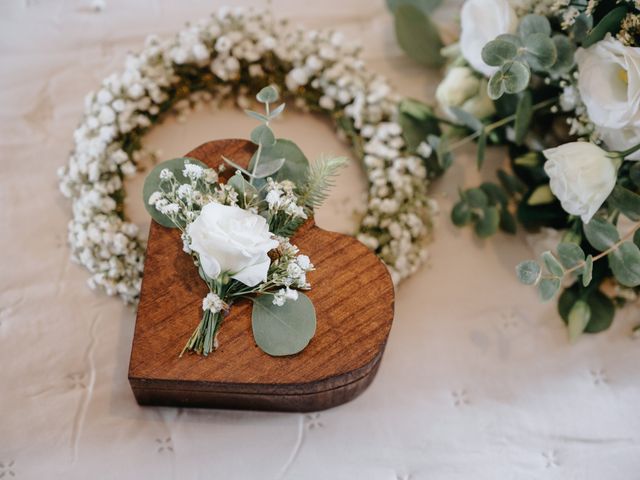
(478, 380)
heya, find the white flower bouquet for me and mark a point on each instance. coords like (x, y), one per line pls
(238, 233)
(558, 83)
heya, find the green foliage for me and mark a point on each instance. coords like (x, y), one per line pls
(548, 287)
(524, 114)
(426, 6)
(466, 119)
(553, 265)
(418, 122)
(610, 23)
(601, 233)
(283, 330)
(294, 168)
(481, 148)
(626, 201)
(528, 272)
(512, 77)
(268, 95)
(262, 135)
(534, 24)
(542, 195)
(565, 55)
(486, 208)
(499, 51)
(570, 254)
(245, 190)
(320, 180)
(488, 222)
(587, 272)
(625, 264)
(417, 35)
(601, 308)
(578, 319)
(152, 184)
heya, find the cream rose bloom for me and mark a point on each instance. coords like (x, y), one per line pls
(582, 177)
(482, 21)
(461, 88)
(232, 240)
(609, 84)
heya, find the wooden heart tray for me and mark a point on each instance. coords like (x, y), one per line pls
(352, 293)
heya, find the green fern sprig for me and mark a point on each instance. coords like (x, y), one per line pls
(320, 180)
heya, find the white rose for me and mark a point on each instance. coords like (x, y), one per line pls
(482, 21)
(461, 88)
(609, 83)
(582, 177)
(232, 240)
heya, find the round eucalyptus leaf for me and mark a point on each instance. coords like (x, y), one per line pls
(417, 35)
(625, 264)
(515, 76)
(508, 37)
(152, 184)
(570, 254)
(540, 51)
(552, 264)
(295, 166)
(488, 223)
(578, 319)
(528, 272)
(601, 233)
(533, 23)
(460, 214)
(581, 27)
(626, 201)
(263, 135)
(601, 307)
(565, 50)
(283, 330)
(548, 287)
(268, 94)
(476, 198)
(496, 88)
(268, 167)
(497, 52)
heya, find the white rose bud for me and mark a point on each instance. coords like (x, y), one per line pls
(482, 21)
(461, 88)
(232, 240)
(582, 177)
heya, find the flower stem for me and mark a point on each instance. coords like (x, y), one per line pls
(625, 153)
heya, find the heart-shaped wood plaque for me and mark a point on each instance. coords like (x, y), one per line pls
(352, 293)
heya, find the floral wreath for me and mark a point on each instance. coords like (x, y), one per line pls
(231, 54)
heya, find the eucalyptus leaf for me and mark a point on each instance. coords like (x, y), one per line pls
(610, 23)
(488, 223)
(570, 254)
(601, 307)
(582, 24)
(528, 272)
(268, 167)
(578, 319)
(509, 37)
(534, 24)
(495, 193)
(495, 87)
(565, 50)
(499, 51)
(257, 116)
(152, 184)
(417, 35)
(542, 195)
(245, 190)
(524, 113)
(417, 122)
(426, 6)
(262, 135)
(625, 264)
(587, 271)
(460, 214)
(601, 233)
(283, 330)
(476, 198)
(511, 183)
(626, 201)
(296, 165)
(466, 119)
(507, 221)
(540, 51)
(548, 287)
(513, 77)
(268, 95)
(552, 264)
(276, 111)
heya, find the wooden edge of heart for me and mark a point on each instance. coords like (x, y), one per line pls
(351, 290)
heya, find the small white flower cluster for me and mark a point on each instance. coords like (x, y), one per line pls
(230, 44)
(213, 303)
(281, 198)
(289, 270)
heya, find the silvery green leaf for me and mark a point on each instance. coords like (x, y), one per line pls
(496, 87)
(257, 116)
(541, 196)
(601, 307)
(626, 201)
(426, 6)
(296, 165)
(417, 35)
(283, 330)
(579, 317)
(581, 27)
(276, 111)
(610, 23)
(262, 135)
(516, 76)
(565, 54)
(460, 214)
(540, 51)
(508, 37)
(417, 122)
(587, 271)
(497, 196)
(268, 95)
(625, 264)
(552, 264)
(499, 51)
(528, 272)
(476, 198)
(488, 223)
(531, 24)
(524, 113)
(601, 233)
(441, 147)
(548, 287)
(245, 190)
(268, 167)
(570, 254)
(466, 119)
(152, 184)
(482, 145)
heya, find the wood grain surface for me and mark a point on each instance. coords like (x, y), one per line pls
(352, 293)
